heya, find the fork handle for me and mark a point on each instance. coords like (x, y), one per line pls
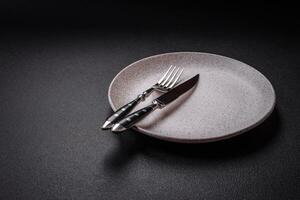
(135, 117)
(124, 110)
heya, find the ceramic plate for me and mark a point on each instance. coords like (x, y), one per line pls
(230, 98)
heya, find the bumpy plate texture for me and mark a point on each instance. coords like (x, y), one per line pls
(230, 98)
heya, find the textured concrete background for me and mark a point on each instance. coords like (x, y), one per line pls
(54, 74)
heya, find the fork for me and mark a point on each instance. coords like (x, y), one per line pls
(166, 83)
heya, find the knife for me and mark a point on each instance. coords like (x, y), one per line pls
(159, 102)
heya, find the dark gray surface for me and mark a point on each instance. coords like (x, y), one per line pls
(54, 100)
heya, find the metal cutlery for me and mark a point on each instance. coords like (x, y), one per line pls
(166, 83)
(159, 102)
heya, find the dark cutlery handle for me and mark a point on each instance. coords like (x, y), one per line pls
(133, 118)
(124, 110)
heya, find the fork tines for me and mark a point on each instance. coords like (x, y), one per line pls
(170, 78)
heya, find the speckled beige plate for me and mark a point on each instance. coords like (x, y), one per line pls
(230, 98)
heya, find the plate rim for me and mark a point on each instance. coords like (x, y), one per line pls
(205, 140)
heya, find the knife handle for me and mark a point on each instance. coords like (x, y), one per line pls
(135, 117)
(124, 110)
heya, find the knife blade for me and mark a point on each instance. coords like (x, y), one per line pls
(159, 102)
